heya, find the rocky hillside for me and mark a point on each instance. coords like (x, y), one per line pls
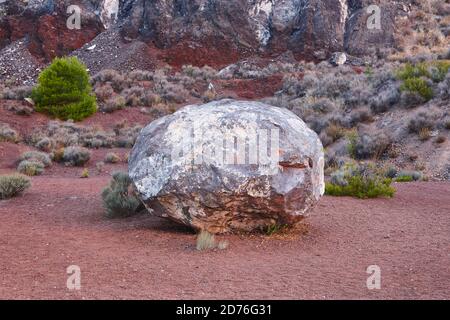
(213, 32)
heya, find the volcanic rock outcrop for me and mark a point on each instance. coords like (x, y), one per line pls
(214, 32)
(229, 165)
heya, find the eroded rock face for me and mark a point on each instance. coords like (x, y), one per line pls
(43, 23)
(213, 32)
(311, 29)
(229, 165)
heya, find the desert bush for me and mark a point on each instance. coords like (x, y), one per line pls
(171, 92)
(8, 134)
(209, 95)
(411, 99)
(323, 105)
(409, 71)
(112, 77)
(45, 144)
(17, 93)
(391, 172)
(335, 131)
(63, 90)
(140, 75)
(360, 182)
(114, 103)
(361, 115)
(84, 174)
(205, 73)
(406, 176)
(419, 86)
(438, 70)
(104, 92)
(20, 109)
(368, 146)
(119, 199)
(415, 77)
(42, 157)
(424, 134)
(207, 241)
(31, 167)
(12, 185)
(421, 120)
(76, 156)
(385, 98)
(134, 96)
(404, 179)
(65, 134)
(112, 157)
(444, 87)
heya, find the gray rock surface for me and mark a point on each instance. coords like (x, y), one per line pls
(202, 166)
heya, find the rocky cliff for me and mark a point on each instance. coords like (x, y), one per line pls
(216, 32)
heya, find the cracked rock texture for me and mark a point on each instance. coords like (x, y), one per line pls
(229, 165)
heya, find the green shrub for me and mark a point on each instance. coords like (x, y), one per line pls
(409, 71)
(119, 198)
(359, 181)
(415, 76)
(12, 185)
(406, 176)
(418, 85)
(352, 137)
(404, 179)
(31, 167)
(63, 90)
(438, 70)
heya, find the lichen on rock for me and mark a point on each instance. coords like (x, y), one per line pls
(229, 165)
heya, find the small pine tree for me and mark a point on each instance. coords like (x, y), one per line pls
(63, 90)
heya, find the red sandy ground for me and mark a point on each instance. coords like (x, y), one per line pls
(59, 222)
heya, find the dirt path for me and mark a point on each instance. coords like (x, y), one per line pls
(59, 222)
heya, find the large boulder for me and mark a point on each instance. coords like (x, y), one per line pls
(229, 165)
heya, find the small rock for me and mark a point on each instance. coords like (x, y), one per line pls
(338, 58)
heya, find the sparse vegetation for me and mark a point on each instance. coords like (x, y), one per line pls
(112, 157)
(405, 176)
(207, 241)
(119, 199)
(8, 134)
(63, 90)
(75, 156)
(12, 185)
(361, 182)
(42, 157)
(30, 167)
(84, 173)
